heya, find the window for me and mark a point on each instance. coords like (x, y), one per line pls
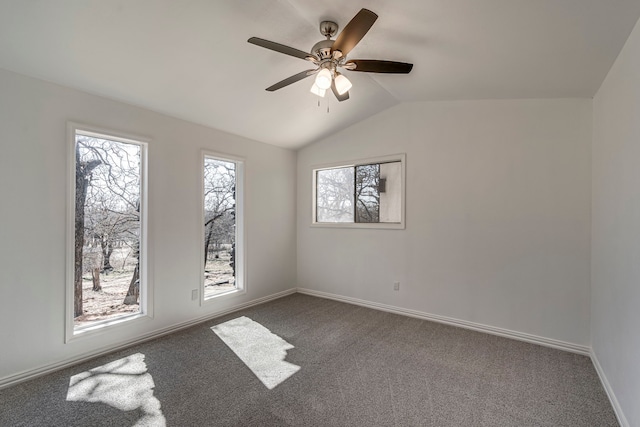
(107, 280)
(364, 194)
(223, 248)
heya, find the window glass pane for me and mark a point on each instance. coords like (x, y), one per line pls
(334, 195)
(219, 226)
(367, 193)
(107, 231)
(391, 192)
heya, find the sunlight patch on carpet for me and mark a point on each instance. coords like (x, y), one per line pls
(123, 384)
(261, 350)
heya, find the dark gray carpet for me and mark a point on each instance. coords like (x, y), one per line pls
(359, 367)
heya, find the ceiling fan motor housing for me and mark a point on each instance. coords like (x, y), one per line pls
(322, 49)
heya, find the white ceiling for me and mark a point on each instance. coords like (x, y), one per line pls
(190, 58)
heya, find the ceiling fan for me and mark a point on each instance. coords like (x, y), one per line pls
(329, 55)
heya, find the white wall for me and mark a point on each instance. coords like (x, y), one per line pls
(498, 215)
(33, 188)
(615, 262)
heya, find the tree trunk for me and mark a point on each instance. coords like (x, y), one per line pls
(232, 261)
(79, 242)
(95, 277)
(207, 242)
(107, 249)
(134, 287)
(83, 172)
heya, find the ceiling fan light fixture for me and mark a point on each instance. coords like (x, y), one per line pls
(328, 55)
(342, 84)
(317, 91)
(323, 79)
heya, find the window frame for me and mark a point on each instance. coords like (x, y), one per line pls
(146, 289)
(240, 251)
(401, 157)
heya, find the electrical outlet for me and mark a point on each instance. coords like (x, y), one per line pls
(194, 295)
(396, 286)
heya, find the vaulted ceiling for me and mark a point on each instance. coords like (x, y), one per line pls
(190, 58)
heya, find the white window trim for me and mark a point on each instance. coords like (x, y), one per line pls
(401, 157)
(241, 252)
(146, 288)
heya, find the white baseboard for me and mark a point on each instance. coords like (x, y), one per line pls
(46, 369)
(607, 387)
(574, 348)
(547, 342)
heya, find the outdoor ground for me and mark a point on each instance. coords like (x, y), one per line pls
(109, 302)
(218, 275)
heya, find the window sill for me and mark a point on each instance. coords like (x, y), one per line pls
(104, 326)
(233, 292)
(380, 226)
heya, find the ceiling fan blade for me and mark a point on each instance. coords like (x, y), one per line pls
(339, 97)
(354, 31)
(292, 79)
(376, 66)
(281, 48)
